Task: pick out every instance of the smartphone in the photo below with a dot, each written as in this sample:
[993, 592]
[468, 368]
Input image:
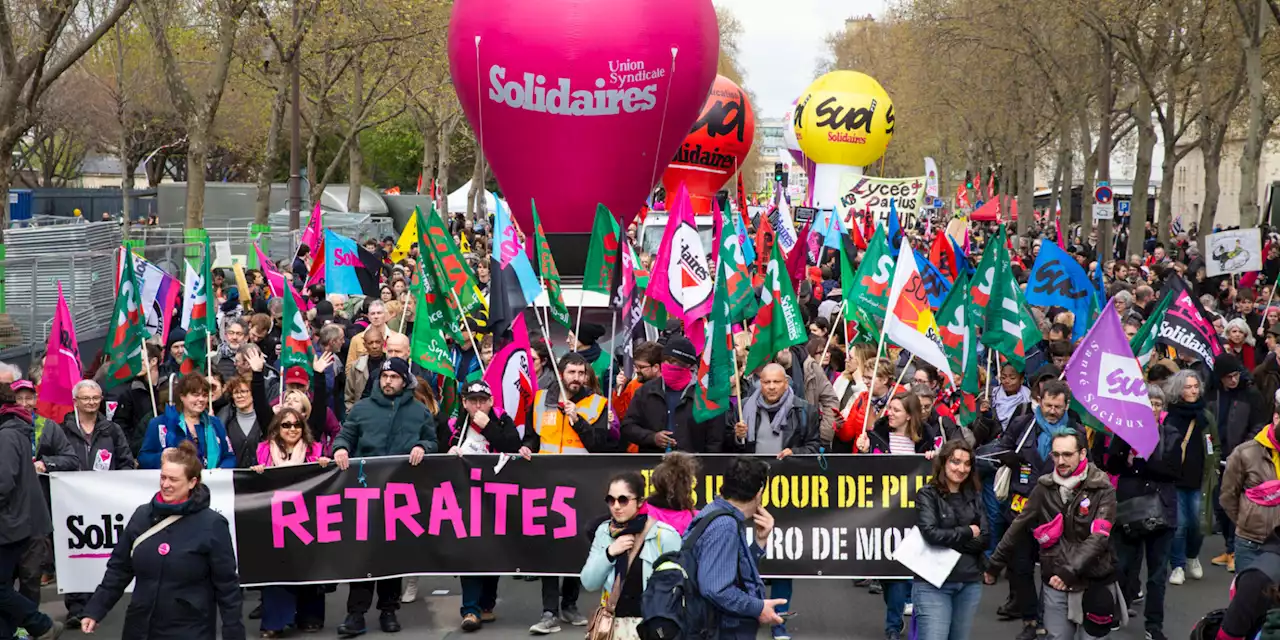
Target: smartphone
[787, 614]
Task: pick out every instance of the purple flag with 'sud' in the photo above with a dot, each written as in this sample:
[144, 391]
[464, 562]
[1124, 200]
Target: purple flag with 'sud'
[1107, 381]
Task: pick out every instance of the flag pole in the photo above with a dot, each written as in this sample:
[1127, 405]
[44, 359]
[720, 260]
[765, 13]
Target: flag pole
[470, 334]
[990, 356]
[151, 381]
[866, 416]
[831, 334]
[547, 338]
[897, 384]
[737, 374]
[613, 324]
[577, 326]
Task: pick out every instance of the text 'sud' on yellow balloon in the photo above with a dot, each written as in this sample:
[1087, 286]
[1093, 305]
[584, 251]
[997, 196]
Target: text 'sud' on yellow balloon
[844, 118]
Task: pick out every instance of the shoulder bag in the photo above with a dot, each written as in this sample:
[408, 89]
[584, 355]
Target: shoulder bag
[602, 625]
[155, 528]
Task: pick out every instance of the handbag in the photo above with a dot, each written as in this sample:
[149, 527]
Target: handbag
[1141, 515]
[602, 624]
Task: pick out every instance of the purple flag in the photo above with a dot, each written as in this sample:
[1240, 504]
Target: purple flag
[1107, 381]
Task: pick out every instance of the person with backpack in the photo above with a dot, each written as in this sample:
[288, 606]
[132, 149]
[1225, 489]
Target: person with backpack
[725, 570]
[623, 554]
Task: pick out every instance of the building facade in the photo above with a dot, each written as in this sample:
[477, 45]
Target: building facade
[773, 149]
[1188, 195]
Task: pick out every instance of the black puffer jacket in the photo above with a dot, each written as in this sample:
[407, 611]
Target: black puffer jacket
[23, 513]
[647, 415]
[944, 521]
[1241, 413]
[186, 575]
[1082, 555]
[107, 449]
[1146, 477]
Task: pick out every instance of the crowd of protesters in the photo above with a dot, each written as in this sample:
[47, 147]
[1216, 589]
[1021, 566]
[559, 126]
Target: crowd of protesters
[1216, 468]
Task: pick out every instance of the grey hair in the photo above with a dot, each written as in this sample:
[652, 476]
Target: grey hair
[1125, 297]
[330, 332]
[923, 391]
[1154, 392]
[11, 369]
[276, 305]
[377, 303]
[75, 391]
[1243, 326]
[1209, 302]
[1177, 382]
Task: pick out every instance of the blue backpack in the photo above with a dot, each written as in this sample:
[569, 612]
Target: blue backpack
[672, 607]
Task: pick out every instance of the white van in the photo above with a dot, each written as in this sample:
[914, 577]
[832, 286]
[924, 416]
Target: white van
[655, 225]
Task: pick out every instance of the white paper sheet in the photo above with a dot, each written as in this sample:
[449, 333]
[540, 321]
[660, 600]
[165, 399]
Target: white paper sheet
[933, 564]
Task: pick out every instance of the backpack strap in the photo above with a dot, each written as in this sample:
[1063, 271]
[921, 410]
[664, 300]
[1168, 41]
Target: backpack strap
[616, 591]
[694, 534]
[155, 528]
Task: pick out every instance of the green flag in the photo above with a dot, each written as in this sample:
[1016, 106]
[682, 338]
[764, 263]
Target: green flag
[953, 324]
[550, 275]
[866, 294]
[715, 371]
[779, 324]
[449, 268]
[1143, 342]
[124, 344]
[1007, 325]
[970, 384]
[602, 256]
[732, 270]
[427, 345]
[295, 348]
[203, 310]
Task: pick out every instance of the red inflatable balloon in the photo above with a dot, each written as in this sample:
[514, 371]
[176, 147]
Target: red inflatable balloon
[716, 147]
[580, 102]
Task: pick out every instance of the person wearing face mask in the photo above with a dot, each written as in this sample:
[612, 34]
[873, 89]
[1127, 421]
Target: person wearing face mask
[1069, 516]
[660, 416]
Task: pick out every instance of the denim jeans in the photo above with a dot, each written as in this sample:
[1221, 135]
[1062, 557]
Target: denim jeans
[1246, 552]
[1130, 553]
[17, 611]
[946, 613]
[1188, 539]
[479, 593]
[896, 593]
[781, 588]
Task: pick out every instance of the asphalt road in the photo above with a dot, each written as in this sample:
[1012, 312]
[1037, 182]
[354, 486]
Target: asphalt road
[826, 609]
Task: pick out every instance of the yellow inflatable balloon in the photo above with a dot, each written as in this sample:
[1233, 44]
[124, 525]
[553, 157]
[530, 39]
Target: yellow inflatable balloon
[844, 118]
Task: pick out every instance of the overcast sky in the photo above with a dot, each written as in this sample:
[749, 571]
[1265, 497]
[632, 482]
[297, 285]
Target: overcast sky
[783, 40]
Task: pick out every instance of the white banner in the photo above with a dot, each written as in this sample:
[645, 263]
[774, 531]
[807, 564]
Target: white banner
[784, 228]
[1238, 251]
[91, 509]
[930, 178]
[879, 196]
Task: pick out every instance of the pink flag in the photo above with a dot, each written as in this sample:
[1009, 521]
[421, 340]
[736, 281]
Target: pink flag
[313, 237]
[1062, 242]
[510, 378]
[275, 281]
[797, 261]
[61, 365]
[681, 276]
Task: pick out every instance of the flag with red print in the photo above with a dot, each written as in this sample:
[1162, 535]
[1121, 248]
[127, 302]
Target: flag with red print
[124, 342]
[296, 348]
[779, 324]
[681, 278]
[510, 375]
[954, 326]
[54, 398]
[909, 319]
[197, 315]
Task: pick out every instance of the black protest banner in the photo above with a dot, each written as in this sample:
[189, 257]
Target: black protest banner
[451, 516]
[1186, 327]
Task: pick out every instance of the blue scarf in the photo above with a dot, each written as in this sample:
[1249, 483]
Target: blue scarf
[1047, 431]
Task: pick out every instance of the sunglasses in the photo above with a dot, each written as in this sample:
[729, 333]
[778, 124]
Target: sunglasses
[290, 425]
[621, 501]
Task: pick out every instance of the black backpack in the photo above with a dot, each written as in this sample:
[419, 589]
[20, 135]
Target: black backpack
[672, 607]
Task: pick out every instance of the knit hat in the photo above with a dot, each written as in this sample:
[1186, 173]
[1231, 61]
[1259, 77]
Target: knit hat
[680, 348]
[1227, 364]
[590, 333]
[400, 366]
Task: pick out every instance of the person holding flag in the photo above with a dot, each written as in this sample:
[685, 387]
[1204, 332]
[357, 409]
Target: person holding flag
[661, 415]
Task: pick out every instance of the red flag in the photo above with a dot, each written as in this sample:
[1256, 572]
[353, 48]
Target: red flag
[943, 255]
[855, 233]
[797, 262]
[1062, 242]
[764, 246]
[61, 365]
[419, 190]
[977, 185]
[742, 197]
[991, 185]
[962, 197]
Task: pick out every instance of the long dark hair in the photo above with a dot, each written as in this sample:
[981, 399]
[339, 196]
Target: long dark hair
[273, 431]
[915, 414]
[940, 466]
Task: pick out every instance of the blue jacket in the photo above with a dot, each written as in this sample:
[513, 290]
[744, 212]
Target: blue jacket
[169, 430]
[728, 570]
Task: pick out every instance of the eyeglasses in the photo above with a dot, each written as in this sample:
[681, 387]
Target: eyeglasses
[621, 501]
[291, 424]
[239, 392]
[90, 399]
[1057, 455]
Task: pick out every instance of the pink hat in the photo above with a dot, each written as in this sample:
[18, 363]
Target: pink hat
[22, 385]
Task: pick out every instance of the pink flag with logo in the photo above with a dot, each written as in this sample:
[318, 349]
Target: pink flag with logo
[313, 237]
[510, 376]
[275, 281]
[681, 276]
[61, 365]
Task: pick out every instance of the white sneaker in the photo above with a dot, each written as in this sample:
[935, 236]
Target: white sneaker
[1194, 569]
[1177, 576]
[908, 609]
[410, 590]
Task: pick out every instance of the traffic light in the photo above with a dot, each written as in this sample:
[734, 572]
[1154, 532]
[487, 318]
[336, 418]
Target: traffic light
[777, 172]
[968, 180]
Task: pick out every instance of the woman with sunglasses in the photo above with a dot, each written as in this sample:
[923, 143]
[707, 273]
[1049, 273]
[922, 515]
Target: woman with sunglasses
[289, 443]
[623, 552]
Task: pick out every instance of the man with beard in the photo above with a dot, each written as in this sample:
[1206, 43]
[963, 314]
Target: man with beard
[646, 360]
[586, 343]
[389, 422]
[660, 417]
[1069, 516]
[573, 424]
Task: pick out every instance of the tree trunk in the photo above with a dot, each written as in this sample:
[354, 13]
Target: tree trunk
[1142, 175]
[1026, 193]
[1259, 122]
[1212, 187]
[1090, 170]
[1060, 164]
[266, 169]
[430, 131]
[355, 156]
[442, 167]
[197, 155]
[475, 195]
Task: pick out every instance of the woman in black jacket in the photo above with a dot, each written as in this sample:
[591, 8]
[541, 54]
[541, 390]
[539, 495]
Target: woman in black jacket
[180, 552]
[1146, 483]
[949, 513]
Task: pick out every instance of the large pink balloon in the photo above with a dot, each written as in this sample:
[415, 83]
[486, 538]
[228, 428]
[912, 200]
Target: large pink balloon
[575, 99]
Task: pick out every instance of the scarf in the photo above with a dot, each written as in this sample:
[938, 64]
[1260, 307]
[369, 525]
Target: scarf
[591, 353]
[1067, 485]
[1267, 438]
[1044, 442]
[629, 528]
[297, 456]
[879, 403]
[757, 406]
[1006, 404]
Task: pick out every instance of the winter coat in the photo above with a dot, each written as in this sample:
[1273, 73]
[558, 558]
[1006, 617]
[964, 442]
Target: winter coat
[170, 429]
[1266, 378]
[598, 572]
[944, 521]
[1249, 466]
[800, 432]
[1240, 413]
[1148, 476]
[132, 411]
[245, 445]
[52, 447]
[1026, 458]
[262, 455]
[186, 575]
[851, 428]
[501, 433]
[819, 393]
[23, 512]
[1177, 417]
[1083, 554]
[357, 380]
[106, 449]
[938, 426]
[647, 415]
[382, 426]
